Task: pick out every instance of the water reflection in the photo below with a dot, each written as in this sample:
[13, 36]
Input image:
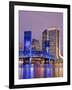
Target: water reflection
[40, 68]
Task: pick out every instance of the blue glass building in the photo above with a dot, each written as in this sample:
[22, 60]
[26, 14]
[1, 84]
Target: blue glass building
[27, 42]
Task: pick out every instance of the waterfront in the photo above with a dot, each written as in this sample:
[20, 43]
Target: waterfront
[40, 68]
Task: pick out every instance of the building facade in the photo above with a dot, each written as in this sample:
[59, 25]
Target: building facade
[36, 45]
[52, 36]
[27, 41]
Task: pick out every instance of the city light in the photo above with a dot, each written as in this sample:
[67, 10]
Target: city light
[40, 63]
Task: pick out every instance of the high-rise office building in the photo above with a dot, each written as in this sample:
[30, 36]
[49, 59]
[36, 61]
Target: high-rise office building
[27, 41]
[51, 36]
[45, 40]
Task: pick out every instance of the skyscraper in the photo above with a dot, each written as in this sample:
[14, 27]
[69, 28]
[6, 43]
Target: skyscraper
[51, 35]
[27, 41]
[45, 40]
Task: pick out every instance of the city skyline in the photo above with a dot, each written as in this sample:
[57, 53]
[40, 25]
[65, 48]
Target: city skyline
[34, 63]
[37, 22]
[48, 35]
[50, 44]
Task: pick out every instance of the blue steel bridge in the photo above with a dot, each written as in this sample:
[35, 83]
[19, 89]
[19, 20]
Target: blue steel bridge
[24, 54]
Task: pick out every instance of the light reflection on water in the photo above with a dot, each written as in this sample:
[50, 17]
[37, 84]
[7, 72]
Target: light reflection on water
[27, 71]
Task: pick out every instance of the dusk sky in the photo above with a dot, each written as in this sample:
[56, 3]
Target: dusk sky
[37, 22]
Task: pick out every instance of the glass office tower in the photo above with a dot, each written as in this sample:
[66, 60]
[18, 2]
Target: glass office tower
[27, 42]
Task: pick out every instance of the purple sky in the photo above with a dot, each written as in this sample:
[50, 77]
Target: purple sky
[37, 22]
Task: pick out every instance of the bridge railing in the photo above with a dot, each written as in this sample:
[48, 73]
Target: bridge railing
[36, 54]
